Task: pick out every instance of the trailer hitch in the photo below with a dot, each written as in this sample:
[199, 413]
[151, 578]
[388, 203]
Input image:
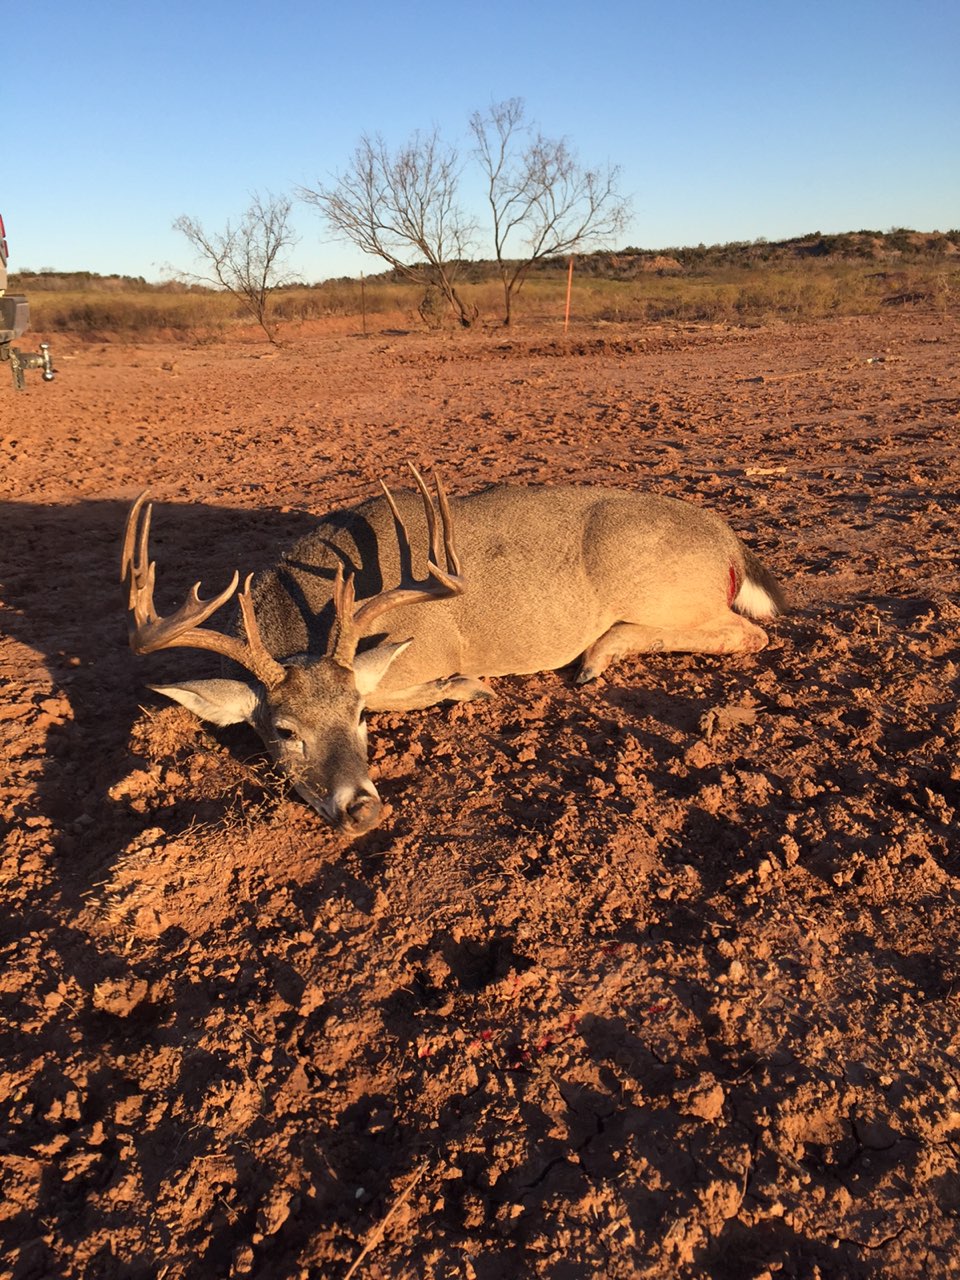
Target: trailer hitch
[20, 361]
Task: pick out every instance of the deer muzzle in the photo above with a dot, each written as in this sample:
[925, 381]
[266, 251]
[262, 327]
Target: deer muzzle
[351, 810]
[361, 814]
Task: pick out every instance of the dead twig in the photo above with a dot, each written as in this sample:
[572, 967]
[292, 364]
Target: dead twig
[378, 1232]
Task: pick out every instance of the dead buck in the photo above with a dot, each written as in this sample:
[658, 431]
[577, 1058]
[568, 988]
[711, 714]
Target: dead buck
[553, 574]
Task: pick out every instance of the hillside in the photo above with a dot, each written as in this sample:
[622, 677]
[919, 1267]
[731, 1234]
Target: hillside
[887, 247]
[882, 247]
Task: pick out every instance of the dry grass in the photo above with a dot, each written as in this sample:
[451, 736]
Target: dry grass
[137, 312]
[811, 291]
[101, 308]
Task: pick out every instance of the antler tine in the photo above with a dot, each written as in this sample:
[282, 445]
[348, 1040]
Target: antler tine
[431, 517]
[440, 583]
[150, 632]
[344, 636]
[446, 522]
[403, 537]
[133, 558]
[263, 665]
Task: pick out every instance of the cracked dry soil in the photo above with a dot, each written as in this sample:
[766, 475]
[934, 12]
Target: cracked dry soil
[659, 977]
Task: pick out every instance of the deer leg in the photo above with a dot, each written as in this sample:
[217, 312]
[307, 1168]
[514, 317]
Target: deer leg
[729, 633]
[415, 696]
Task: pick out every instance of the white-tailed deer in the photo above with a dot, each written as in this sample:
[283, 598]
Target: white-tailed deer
[552, 575]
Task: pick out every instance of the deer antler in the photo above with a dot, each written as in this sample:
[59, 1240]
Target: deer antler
[150, 632]
[350, 619]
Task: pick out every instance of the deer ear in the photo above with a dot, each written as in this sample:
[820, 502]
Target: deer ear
[370, 667]
[217, 701]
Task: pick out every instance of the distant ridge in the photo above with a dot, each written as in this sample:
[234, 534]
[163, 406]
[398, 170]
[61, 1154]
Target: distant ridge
[900, 245]
[882, 247]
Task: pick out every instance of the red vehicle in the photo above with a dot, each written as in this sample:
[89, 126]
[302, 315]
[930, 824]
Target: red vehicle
[14, 319]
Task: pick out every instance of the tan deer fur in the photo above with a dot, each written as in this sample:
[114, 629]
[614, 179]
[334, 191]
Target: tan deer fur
[550, 576]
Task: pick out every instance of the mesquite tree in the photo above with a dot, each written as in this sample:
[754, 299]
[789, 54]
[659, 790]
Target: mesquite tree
[403, 207]
[247, 259]
[542, 201]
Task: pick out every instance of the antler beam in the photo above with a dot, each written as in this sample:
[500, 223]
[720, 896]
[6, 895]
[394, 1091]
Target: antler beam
[150, 632]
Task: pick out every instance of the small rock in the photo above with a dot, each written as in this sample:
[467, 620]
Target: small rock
[120, 996]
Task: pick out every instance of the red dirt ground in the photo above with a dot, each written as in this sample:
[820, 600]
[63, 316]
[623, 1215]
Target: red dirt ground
[659, 977]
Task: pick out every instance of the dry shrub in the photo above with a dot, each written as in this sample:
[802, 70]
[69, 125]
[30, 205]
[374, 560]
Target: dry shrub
[807, 290]
[132, 313]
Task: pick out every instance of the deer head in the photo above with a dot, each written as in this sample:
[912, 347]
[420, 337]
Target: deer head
[307, 709]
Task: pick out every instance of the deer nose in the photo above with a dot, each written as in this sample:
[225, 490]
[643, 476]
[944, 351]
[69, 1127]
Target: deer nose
[362, 813]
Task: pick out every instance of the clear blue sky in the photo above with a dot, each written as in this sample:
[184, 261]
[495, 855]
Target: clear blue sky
[730, 119]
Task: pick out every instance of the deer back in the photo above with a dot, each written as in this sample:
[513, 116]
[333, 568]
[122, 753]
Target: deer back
[547, 571]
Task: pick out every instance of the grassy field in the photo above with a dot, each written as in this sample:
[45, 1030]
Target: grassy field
[92, 307]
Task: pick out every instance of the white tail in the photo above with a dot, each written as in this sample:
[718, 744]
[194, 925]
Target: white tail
[760, 595]
[551, 575]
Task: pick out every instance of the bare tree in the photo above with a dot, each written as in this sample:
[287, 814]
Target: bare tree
[403, 207]
[247, 260]
[541, 199]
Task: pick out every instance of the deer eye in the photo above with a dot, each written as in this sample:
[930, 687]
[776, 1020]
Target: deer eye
[285, 733]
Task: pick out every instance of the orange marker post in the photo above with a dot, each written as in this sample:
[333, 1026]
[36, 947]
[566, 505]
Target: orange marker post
[566, 314]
